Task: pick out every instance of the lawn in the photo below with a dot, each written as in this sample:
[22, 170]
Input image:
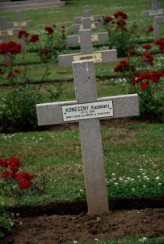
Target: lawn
[52, 155]
[133, 147]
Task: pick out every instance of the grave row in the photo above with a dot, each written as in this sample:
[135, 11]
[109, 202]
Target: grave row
[88, 110]
[30, 4]
[155, 12]
[86, 21]
[9, 29]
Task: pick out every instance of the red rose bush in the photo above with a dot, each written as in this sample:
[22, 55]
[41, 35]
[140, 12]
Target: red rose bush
[13, 185]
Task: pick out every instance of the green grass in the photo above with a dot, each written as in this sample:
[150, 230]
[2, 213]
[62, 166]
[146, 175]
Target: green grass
[133, 154]
[133, 162]
[133, 150]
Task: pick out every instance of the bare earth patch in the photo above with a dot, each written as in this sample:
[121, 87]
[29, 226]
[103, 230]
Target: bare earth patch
[62, 228]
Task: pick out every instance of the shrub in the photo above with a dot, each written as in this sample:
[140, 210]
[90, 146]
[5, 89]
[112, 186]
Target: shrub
[18, 106]
[143, 80]
[13, 184]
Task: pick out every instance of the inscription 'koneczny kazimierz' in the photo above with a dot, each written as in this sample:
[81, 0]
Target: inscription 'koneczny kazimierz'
[88, 110]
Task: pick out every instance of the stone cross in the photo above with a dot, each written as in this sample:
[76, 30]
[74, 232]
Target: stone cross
[98, 37]
[86, 13]
[87, 52]
[87, 24]
[157, 21]
[19, 23]
[88, 110]
[6, 33]
[155, 11]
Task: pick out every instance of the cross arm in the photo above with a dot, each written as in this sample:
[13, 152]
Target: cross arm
[101, 37]
[123, 106]
[17, 24]
[66, 60]
[95, 18]
[78, 27]
[148, 13]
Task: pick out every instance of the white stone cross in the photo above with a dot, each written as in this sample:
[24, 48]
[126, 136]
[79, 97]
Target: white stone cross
[157, 21]
[155, 11]
[87, 24]
[88, 110]
[87, 52]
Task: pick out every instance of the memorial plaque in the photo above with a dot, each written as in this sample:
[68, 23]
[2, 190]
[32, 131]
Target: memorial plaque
[6, 33]
[155, 12]
[19, 24]
[93, 26]
[87, 111]
[95, 38]
[95, 57]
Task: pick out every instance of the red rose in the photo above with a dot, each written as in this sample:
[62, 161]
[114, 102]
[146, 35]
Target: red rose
[10, 75]
[34, 38]
[27, 176]
[24, 183]
[107, 19]
[144, 85]
[13, 47]
[49, 30]
[3, 48]
[5, 174]
[17, 71]
[45, 52]
[14, 164]
[23, 33]
[147, 46]
[131, 52]
[147, 58]
[120, 14]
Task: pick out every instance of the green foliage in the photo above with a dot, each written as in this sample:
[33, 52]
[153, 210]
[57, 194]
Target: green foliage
[18, 109]
[18, 106]
[142, 80]
[13, 184]
[151, 104]
[120, 37]
[122, 41]
[6, 217]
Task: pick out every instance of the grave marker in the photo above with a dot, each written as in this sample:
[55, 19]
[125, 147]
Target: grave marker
[86, 13]
[155, 11]
[87, 110]
[98, 37]
[157, 21]
[87, 24]
[87, 52]
[5, 34]
[19, 23]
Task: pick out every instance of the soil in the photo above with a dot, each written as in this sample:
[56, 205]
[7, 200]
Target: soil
[116, 224]
[70, 222]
